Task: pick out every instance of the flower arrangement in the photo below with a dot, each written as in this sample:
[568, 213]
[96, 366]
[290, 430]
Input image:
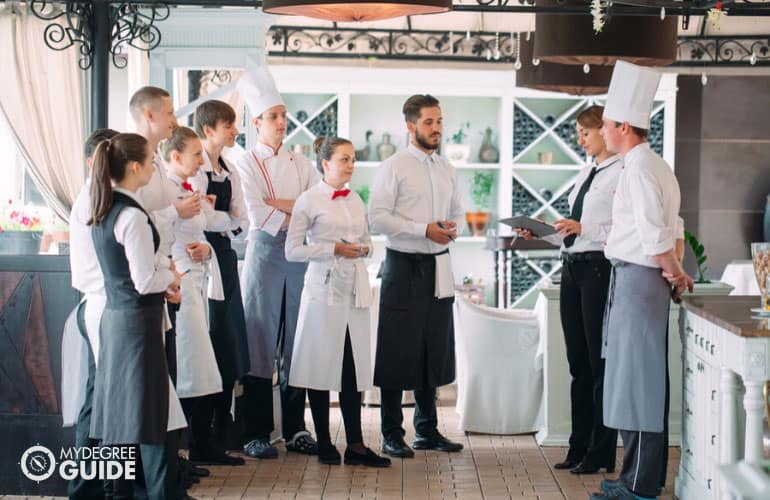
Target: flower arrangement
[14, 217]
[598, 13]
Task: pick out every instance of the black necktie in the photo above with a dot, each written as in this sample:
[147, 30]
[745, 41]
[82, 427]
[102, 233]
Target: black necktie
[577, 208]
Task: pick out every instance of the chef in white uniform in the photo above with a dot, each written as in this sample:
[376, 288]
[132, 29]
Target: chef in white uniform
[80, 343]
[643, 247]
[331, 350]
[273, 178]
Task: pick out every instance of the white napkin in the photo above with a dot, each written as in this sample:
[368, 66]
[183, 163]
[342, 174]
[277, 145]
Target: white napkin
[216, 290]
[445, 285]
[362, 289]
[74, 373]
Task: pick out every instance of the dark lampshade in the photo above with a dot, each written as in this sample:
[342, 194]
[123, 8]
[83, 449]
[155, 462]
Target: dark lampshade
[570, 39]
[555, 77]
[334, 10]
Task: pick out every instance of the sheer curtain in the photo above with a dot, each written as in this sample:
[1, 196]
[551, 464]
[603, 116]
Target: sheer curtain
[41, 99]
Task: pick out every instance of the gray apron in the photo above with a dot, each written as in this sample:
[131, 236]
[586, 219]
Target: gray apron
[635, 348]
[268, 279]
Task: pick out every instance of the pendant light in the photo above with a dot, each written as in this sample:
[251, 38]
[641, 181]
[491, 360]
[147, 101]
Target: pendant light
[334, 10]
[567, 78]
[570, 39]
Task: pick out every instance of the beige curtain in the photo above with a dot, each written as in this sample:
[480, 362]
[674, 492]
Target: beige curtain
[41, 98]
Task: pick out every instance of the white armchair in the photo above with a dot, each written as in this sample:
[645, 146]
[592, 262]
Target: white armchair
[499, 369]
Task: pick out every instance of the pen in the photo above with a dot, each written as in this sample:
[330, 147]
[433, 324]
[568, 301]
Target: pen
[187, 271]
[345, 241]
[442, 226]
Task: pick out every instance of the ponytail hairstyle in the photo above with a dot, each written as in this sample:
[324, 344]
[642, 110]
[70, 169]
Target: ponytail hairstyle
[110, 163]
[177, 142]
[325, 147]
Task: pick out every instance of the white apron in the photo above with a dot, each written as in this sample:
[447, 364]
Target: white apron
[327, 310]
[197, 370]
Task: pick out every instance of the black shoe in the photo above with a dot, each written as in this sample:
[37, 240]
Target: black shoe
[328, 454]
[260, 448]
[573, 460]
[302, 442]
[435, 442]
[214, 457]
[191, 470]
[396, 447]
[368, 459]
[586, 468]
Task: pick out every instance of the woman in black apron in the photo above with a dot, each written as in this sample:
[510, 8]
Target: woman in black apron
[131, 394]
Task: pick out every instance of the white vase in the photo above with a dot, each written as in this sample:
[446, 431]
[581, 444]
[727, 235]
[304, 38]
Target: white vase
[457, 153]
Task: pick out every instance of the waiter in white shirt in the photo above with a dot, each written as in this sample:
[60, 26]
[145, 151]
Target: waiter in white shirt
[416, 204]
[643, 248]
[87, 279]
[273, 177]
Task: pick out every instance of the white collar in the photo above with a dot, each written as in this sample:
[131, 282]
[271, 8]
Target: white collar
[133, 195]
[609, 161]
[421, 155]
[263, 151]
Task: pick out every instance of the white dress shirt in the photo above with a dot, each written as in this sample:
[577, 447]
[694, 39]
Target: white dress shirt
[187, 231]
[237, 213]
[645, 220]
[150, 271]
[325, 222]
[157, 197]
[86, 274]
[267, 174]
[411, 190]
[596, 219]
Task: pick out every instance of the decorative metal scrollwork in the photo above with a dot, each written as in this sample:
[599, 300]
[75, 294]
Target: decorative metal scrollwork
[723, 51]
[132, 24]
[389, 44]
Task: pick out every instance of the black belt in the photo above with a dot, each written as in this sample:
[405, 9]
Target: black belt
[570, 258]
[413, 256]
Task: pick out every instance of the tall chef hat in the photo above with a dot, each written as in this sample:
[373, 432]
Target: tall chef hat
[631, 94]
[257, 88]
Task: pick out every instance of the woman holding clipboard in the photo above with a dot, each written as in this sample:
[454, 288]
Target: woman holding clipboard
[584, 284]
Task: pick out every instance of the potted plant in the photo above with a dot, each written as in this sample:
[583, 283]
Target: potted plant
[20, 229]
[704, 286]
[481, 189]
[363, 192]
[456, 149]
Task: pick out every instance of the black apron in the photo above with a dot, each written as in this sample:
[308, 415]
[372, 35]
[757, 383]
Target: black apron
[131, 393]
[227, 325]
[415, 334]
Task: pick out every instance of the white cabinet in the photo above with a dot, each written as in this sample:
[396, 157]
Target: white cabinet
[726, 359]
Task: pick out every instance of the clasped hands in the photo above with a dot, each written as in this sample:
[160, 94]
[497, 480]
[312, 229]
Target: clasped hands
[442, 232]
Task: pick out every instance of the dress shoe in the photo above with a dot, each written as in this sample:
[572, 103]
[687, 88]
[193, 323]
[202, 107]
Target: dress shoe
[586, 468]
[213, 456]
[566, 464]
[260, 448]
[435, 442]
[396, 447]
[328, 454]
[187, 467]
[369, 459]
[302, 442]
[619, 493]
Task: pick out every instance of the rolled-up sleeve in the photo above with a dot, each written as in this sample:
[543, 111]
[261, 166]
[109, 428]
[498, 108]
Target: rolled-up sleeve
[649, 214]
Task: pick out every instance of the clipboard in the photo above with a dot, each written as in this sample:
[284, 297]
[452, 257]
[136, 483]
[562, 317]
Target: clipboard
[538, 228]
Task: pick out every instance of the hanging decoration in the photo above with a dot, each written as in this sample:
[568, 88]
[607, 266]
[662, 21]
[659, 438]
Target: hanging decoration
[334, 10]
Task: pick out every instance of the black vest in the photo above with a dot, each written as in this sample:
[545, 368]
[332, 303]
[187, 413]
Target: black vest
[120, 289]
[224, 193]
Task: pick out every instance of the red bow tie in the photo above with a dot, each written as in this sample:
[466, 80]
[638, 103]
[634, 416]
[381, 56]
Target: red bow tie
[187, 186]
[343, 192]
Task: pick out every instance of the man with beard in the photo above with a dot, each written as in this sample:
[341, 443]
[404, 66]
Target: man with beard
[416, 204]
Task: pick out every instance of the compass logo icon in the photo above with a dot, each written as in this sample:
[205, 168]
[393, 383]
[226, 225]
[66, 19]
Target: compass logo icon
[38, 463]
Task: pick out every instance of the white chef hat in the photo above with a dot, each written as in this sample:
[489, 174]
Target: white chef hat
[631, 94]
[257, 88]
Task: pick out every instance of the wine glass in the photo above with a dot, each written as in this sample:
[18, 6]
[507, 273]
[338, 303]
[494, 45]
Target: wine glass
[760, 257]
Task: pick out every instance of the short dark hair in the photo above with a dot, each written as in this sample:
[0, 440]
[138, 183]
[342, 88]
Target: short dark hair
[210, 113]
[143, 98]
[641, 132]
[413, 106]
[97, 136]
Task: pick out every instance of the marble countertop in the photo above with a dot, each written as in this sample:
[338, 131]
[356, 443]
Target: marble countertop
[731, 313]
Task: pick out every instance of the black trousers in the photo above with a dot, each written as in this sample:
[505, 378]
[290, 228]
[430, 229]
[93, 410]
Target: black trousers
[199, 413]
[583, 295]
[78, 488]
[350, 403]
[258, 398]
[175, 481]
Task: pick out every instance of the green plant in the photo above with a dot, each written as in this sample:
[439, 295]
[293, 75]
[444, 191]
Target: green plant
[459, 136]
[482, 188]
[363, 192]
[700, 255]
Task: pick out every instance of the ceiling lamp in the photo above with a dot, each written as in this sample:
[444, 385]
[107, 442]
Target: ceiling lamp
[570, 79]
[570, 39]
[334, 10]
